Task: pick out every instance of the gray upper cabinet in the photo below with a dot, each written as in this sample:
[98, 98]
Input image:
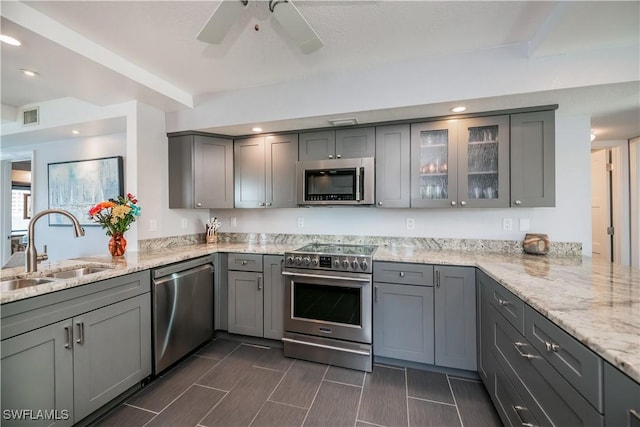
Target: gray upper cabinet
[265, 171]
[455, 317]
[345, 143]
[200, 171]
[393, 163]
[533, 159]
[461, 163]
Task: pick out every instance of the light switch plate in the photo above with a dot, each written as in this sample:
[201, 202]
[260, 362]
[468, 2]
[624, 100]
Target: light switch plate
[234, 222]
[525, 224]
[410, 223]
[300, 222]
[507, 224]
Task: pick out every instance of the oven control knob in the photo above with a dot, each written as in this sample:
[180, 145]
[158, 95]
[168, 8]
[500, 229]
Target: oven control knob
[354, 264]
[306, 260]
[289, 259]
[336, 263]
[298, 260]
[314, 262]
[345, 263]
[364, 265]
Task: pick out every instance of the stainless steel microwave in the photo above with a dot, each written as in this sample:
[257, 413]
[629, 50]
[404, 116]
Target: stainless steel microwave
[336, 181]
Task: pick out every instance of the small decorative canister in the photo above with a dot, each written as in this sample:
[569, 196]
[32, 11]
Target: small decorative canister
[536, 243]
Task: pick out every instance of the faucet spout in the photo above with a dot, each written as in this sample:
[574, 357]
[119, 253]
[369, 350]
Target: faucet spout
[31, 255]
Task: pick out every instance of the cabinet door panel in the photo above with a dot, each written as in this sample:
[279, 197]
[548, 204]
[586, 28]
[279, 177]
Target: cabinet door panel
[112, 352]
[273, 297]
[533, 159]
[281, 155]
[37, 373]
[213, 172]
[455, 317]
[317, 145]
[621, 399]
[393, 163]
[354, 143]
[434, 160]
[403, 322]
[245, 303]
[249, 172]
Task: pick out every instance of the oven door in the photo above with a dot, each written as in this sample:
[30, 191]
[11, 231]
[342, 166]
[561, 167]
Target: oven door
[328, 304]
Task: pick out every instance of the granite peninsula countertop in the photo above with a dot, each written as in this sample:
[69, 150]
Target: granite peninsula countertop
[597, 303]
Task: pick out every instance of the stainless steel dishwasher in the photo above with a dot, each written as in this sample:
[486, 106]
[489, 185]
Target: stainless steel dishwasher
[182, 309]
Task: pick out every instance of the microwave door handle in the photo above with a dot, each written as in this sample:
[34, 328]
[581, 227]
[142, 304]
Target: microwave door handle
[358, 194]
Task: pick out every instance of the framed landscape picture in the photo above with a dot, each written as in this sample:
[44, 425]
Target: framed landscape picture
[77, 186]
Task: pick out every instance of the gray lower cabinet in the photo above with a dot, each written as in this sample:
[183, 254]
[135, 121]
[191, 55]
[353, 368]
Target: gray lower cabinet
[455, 317]
[523, 384]
[265, 170]
[533, 159]
[621, 399]
[255, 297]
[200, 171]
[403, 311]
[393, 166]
[98, 347]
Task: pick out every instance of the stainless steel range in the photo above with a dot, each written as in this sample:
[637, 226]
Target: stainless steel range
[328, 295]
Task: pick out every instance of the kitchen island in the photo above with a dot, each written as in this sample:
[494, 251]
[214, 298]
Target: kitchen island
[596, 303]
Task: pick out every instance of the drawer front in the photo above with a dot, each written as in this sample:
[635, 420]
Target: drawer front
[561, 403]
[507, 399]
[244, 262]
[505, 303]
[575, 362]
[403, 273]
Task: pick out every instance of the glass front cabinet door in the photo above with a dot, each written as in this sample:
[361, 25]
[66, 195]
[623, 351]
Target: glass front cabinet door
[461, 163]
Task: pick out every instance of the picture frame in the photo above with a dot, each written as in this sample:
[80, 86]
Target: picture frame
[76, 186]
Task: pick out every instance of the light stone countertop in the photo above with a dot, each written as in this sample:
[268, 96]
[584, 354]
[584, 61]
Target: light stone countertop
[597, 303]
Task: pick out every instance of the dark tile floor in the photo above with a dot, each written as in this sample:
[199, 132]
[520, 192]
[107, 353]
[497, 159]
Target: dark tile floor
[229, 383]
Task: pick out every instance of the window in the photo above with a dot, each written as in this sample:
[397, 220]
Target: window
[20, 209]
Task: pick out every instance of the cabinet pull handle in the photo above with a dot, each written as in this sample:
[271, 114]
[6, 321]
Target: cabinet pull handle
[243, 262]
[331, 156]
[402, 274]
[437, 278]
[69, 333]
[259, 283]
[503, 302]
[268, 203]
[339, 156]
[551, 346]
[261, 204]
[379, 203]
[453, 203]
[80, 339]
[199, 205]
[518, 202]
[375, 294]
[463, 203]
[633, 414]
[519, 408]
[517, 345]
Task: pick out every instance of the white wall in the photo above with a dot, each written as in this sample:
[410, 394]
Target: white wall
[569, 221]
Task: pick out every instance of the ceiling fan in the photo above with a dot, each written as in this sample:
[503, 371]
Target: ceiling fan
[284, 11]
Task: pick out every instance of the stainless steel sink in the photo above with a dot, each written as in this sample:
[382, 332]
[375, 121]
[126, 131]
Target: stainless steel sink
[13, 284]
[77, 272]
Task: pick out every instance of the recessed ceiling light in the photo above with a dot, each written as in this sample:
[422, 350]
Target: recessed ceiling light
[9, 40]
[256, 129]
[75, 132]
[343, 122]
[29, 73]
[458, 109]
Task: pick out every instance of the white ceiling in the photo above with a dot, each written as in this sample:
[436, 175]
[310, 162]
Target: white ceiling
[107, 52]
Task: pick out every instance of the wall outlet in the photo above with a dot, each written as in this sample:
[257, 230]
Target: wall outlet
[507, 224]
[184, 223]
[234, 221]
[153, 225]
[525, 224]
[300, 222]
[410, 223]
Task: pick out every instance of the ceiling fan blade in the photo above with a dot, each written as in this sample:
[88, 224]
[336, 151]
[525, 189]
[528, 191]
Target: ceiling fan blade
[292, 21]
[221, 20]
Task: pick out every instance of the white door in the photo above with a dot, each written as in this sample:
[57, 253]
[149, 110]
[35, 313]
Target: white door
[600, 207]
[634, 185]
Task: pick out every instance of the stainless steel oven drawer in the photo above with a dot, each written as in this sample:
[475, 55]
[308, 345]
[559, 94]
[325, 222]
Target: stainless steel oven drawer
[403, 273]
[244, 262]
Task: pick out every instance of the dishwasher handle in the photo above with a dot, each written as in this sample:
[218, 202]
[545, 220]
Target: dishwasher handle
[181, 266]
[179, 274]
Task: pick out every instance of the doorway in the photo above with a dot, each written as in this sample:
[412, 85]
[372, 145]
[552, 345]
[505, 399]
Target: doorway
[17, 202]
[601, 205]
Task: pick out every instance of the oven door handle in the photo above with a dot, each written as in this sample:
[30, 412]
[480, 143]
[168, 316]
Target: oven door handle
[321, 276]
[328, 347]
